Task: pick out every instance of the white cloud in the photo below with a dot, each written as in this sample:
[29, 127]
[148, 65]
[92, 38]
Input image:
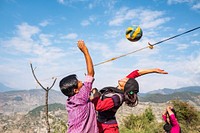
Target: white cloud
[122, 15]
[196, 42]
[30, 42]
[151, 19]
[85, 23]
[44, 23]
[114, 33]
[61, 1]
[182, 46]
[179, 1]
[196, 6]
[102, 49]
[70, 36]
[90, 20]
[146, 18]
[26, 31]
[44, 38]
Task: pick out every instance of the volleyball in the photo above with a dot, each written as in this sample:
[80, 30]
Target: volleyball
[133, 33]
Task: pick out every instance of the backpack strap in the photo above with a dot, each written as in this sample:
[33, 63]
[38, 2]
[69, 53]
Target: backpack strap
[114, 94]
[111, 92]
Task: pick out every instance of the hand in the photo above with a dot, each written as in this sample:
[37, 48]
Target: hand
[157, 70]
[82, 46]
[94, 93]
[169, 108]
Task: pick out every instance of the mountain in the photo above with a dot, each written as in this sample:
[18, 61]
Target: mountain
[25, 100]
[22, 101]
[195, 89]
[4, 88]
[163, 98]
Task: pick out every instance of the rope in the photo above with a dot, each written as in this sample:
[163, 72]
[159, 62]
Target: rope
[175, 36]
[151, 46]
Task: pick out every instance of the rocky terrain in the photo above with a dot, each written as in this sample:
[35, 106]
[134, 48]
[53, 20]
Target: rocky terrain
[22, 111]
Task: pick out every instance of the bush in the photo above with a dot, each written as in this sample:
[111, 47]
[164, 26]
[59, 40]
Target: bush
[141, 123]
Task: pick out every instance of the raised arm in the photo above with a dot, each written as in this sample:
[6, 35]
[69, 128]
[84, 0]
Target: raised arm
[88, 59]
[154, 70]
[137, 73]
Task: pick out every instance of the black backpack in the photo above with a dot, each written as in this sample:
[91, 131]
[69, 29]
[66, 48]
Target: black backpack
[167, 127]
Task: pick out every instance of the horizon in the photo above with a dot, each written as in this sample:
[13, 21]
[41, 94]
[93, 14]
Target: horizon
[15, 89]
[45, 33]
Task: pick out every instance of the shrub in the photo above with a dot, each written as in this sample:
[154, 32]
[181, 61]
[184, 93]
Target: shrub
[140, 123]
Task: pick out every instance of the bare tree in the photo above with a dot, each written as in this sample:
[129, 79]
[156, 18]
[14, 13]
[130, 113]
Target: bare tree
[46, 97]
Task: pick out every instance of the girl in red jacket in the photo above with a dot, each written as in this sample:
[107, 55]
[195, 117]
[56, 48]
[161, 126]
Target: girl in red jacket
[111, 98]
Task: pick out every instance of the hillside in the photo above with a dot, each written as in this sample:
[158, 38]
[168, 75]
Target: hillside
[194, 89]
[4, 88]
[22, 101]
[26, 100]
[34, 121]
[183, 96]
[23, 111]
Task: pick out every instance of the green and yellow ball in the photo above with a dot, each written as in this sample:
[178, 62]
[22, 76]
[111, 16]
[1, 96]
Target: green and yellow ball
[133, 33]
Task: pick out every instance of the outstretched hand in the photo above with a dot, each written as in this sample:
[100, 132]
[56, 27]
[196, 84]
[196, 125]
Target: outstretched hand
[82, 46]
[158, 70]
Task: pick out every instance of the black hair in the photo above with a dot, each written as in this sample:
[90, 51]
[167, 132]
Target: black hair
[68, 84]
[131, 85]
[173, 110]
[131, 89]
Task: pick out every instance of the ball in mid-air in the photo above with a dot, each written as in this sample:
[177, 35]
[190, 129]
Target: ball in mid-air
[133, 33]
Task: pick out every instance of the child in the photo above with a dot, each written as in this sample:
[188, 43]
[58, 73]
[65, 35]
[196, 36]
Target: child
[81, 111]
[113, 97]
[169, 116]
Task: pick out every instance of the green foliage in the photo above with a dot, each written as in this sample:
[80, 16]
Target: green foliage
[52, 107]
[160, 98]
[140, 123]
[58, 126]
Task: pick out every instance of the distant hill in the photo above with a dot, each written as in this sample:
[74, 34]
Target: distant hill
[195, 89]
[26, 100]
[162, 98]
[22, 101]
[52, 107]
[4, 88]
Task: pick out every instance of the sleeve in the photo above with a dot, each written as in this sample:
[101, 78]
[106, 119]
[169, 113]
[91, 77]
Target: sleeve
[84, 93]
[89, 79]
[173, 120]
[102, 105]
[164, 117]
[88, 83]
[133, 74]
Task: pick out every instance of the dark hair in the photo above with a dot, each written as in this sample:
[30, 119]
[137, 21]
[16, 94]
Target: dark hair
[131, 89]
[131, 85]
[68, 84]
[173, 110]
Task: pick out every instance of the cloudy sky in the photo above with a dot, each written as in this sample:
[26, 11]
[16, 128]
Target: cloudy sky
[45, 32]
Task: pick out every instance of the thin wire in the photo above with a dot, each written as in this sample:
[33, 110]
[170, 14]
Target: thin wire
[114, 58]
[175, 36]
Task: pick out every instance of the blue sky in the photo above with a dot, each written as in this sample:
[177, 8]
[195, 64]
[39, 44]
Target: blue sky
[45, 33]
